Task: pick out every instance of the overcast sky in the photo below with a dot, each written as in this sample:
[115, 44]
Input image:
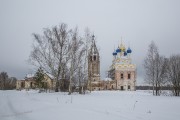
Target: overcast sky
[138, 22]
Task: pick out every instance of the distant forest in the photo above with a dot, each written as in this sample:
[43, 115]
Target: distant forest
[151, 88]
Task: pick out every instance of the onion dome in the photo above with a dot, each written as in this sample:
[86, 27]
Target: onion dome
[118, 50]
[114, 53]
[125, 53]
[123, 49]
[129, 50]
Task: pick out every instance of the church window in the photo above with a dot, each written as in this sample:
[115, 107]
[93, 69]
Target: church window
[129, 76]
[129, 87]
[122, 76]
[94, 58]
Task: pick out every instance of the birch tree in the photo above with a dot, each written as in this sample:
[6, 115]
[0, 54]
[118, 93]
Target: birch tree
[160, 72]
[149, 64]
[63, 53]
[156, 68]
[76, 54]
[87, 41]
[174, 73]
[50, 50]
[80, 47]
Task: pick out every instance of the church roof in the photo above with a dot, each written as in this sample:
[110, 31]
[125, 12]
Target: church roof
[129, 50]
[93, 49]
[121, 49]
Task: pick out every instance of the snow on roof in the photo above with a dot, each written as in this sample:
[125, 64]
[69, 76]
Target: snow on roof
[32, 75]
[21, 80]
[29, 75]
[50, 75]
[107, 79]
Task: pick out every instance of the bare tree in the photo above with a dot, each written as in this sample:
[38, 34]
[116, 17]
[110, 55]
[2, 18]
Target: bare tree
[63, 53]
[76, 55]
[50, 50]
[87, 41]
[149, 64]
[156, 69]
[3, 79]
[79, 59]
[160, 72]
[174, 73]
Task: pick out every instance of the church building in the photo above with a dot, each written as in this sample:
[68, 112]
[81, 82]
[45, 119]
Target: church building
[122, 71]
[93, 67]
[121, 75]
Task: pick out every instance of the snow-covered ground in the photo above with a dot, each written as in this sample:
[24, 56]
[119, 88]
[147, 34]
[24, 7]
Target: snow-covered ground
[98, 105]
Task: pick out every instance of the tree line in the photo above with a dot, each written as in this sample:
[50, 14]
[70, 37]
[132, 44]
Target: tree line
[63, 52]
[162, 71]
[6, 82]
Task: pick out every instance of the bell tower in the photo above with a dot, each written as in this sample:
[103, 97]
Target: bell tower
[93, 64]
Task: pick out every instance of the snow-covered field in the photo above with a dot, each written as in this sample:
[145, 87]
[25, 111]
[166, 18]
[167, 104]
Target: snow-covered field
[99, 105]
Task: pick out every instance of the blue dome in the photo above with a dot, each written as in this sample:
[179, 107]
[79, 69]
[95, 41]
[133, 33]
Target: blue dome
[125, 53]
[129, 50]
[114, 53]
[118, 50]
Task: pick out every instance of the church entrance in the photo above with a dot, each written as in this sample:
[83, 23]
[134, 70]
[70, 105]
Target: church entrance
[122, 88]
[129, 87]
[112, 87]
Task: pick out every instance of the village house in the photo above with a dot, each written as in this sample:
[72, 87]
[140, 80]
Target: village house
[29, 82]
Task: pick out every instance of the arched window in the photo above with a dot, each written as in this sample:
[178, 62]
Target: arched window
[129, 75]
[122, 76]
[94, 58]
